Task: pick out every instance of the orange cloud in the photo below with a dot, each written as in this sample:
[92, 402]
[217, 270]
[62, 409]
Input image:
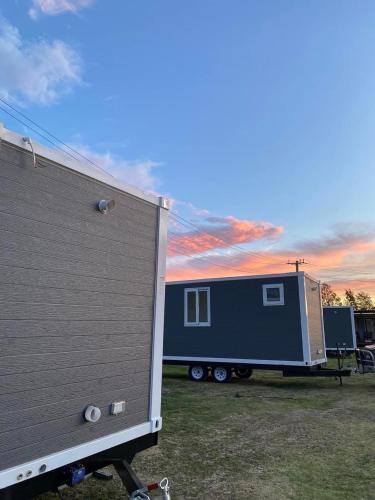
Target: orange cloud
[221, 232]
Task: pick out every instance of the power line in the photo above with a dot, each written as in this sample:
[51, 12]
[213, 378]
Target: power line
[37, 132]
[268, 260]
[176, 217]
[51, 135]
[207, 259]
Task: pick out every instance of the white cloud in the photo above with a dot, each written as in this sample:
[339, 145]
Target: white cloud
[37, 71]
[56, 7]
[139, 173]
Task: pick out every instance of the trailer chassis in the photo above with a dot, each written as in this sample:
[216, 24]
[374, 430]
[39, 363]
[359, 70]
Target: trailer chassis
[120, 457]
[287, 371]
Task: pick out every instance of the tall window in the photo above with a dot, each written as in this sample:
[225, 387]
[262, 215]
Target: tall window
[197, 307]
[273, 295]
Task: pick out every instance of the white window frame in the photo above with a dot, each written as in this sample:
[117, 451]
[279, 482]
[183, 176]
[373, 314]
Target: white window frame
[267, 302]
[197, 290]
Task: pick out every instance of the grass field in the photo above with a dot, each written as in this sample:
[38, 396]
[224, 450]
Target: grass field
[268, 437]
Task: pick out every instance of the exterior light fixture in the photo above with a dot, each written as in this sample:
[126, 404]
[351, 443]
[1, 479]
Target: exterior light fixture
[105, 205]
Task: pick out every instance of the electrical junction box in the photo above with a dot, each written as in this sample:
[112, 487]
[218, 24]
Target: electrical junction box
[117, 407]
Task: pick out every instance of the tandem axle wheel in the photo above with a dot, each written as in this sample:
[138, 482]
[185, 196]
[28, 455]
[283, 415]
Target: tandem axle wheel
[220, 374]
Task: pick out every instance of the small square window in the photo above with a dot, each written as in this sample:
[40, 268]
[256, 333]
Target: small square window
[273, 295]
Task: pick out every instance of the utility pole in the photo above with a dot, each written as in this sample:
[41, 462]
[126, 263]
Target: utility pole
[297, 263]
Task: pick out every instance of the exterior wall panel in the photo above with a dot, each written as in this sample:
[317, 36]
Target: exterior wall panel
[241, 326]
[339, 327]
[77, 307]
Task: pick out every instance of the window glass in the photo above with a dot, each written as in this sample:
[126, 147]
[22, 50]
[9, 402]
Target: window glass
[203, 306]
[191, 307]
[273, 294]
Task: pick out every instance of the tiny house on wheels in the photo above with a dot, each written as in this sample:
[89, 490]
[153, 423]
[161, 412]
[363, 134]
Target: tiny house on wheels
[242, 323]
[82, 265]
[339, 329]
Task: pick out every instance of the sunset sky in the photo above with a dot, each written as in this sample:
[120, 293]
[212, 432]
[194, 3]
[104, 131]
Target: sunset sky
[256, 118]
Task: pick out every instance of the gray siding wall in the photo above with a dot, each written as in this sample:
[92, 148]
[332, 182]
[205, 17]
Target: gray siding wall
[76, 315]
[241, 326]
[314, 319]
[338, 328]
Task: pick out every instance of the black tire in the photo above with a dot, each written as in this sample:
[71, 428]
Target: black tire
[243, 372]
[198, 373]
[221, 374]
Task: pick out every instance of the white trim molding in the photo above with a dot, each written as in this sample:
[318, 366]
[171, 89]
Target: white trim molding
[28, 470]
[244, 361]
[322, 319]
[234, 278]
[197, 291]
[158, 333]
[270, 302]
[353, 328]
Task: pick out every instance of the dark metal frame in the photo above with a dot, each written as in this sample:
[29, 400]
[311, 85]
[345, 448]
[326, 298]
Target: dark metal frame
[120, 456]
[287, 371]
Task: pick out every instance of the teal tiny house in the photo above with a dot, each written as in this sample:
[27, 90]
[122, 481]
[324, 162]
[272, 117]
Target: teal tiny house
[339, 329]
[271, 321]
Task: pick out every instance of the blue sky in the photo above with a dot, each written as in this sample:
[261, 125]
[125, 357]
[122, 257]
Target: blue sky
[264, 111]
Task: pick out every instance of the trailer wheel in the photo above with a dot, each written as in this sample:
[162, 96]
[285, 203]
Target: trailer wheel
[221, 374]
[198, 373]
[243, 372]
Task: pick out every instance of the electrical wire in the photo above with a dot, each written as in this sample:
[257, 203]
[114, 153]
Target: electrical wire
[206, 259]
[184, 223]
[37, 132]
[179, 219]
[50, 134]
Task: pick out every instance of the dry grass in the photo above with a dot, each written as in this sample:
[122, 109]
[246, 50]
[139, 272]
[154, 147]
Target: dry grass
[265, 438]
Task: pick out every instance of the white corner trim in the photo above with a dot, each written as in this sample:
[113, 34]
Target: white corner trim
[81, 167]
[353, 328]
[196, 291]
[304, 321]
[322, 319]
[244, 361]
[158, 326]
[266, 301]
[9, 476]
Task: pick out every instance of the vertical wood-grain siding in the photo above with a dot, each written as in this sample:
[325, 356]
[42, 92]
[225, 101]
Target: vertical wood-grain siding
[314, 319]
[76, 307]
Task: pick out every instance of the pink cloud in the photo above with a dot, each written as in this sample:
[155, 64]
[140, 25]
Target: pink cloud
[220, 233]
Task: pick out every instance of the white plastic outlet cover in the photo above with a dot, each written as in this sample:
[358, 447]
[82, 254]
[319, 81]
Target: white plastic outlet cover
[117, 407]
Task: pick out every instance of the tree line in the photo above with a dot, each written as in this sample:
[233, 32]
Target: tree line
[359, 301]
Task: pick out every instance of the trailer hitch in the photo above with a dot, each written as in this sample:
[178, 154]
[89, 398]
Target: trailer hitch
[134, 485]
[143, 493]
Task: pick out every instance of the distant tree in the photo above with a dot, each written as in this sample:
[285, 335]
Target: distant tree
[329, 296]
[350, 298]
[364, 301]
